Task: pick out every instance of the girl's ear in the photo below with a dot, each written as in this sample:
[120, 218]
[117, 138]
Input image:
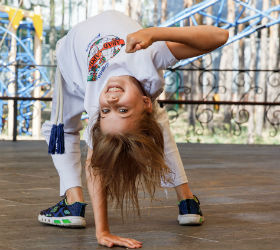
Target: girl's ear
[148, 104]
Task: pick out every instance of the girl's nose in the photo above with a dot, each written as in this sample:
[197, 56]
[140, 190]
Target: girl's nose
[113, 99]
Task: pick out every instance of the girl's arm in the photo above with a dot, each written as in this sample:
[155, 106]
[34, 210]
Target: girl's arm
[99, 203]
[183, 42]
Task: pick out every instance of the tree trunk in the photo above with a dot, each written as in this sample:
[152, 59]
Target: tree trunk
[209, 77]
[272, 87]
[189, 77]
[199, 17]
[274, 35]
[62, 19]
[239, 79]
[226, 78]
[187, 4]
[262, 79]
[100, 6]
[36, 117]
[155, 16]
[241, 59]
[52, 38]
[70, 13]
[128, 8]
[113, 4]
[11, 75]
[20, 5]
[273, 39]
[86, 9]
[135, 9]
[163, 95]
[251, 94]
[163, 10]
[138, 9]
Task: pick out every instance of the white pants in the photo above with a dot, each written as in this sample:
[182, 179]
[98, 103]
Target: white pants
[68, 165]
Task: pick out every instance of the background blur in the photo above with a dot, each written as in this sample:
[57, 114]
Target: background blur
[244, 70]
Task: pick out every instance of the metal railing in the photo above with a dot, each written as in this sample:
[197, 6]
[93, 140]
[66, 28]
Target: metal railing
[203, 101]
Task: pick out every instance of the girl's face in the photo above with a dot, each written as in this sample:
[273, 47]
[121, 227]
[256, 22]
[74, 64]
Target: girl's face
[121, 105]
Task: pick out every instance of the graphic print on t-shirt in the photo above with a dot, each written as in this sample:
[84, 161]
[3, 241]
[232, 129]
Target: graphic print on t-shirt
[100, 52]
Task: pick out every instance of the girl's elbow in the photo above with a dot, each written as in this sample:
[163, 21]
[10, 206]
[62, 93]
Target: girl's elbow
[220, 38]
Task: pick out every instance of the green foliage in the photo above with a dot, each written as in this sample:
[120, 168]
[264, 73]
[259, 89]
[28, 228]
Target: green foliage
[217, 132]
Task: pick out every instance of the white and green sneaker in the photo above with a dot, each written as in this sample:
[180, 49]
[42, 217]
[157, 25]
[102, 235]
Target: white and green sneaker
[64, 215]
[190, 212]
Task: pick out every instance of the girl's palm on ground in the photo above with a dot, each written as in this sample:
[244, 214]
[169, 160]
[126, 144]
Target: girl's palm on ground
[110, 240]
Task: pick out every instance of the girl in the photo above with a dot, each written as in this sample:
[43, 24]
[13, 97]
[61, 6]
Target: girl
[110, 67]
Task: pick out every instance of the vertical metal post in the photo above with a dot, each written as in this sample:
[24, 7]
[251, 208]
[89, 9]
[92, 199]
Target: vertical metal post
[15, 104]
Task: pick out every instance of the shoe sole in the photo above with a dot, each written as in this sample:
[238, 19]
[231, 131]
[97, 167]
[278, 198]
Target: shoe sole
[190, 219]
[69, 221]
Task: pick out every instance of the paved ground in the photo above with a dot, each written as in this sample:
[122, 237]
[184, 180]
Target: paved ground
[238, 186]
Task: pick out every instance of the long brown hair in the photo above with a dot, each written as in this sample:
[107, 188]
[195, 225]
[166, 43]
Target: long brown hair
[124, 162]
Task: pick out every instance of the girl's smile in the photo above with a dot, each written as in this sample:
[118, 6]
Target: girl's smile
[121, 103]
[114, 89]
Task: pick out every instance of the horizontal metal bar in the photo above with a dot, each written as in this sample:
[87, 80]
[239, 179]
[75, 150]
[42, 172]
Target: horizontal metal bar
[217, 102]
[238, 70]
[26, 65]
[159, 101]
[20, 98]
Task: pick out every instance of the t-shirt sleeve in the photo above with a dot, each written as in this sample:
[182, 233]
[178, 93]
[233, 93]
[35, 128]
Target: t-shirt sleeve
[162, 56]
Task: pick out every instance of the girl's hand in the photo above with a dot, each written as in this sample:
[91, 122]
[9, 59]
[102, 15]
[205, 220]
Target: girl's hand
[140, 39]
[110, 240]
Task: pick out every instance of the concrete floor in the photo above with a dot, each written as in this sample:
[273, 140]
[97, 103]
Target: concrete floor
[238, 186]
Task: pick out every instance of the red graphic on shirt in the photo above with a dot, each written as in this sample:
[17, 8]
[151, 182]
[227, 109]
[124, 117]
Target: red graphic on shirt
[100, 52]
[113, 43]
[94, 60]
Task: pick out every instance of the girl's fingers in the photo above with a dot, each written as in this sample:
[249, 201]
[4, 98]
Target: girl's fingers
[137, 47]
[130, 45]
[127, 243]
[112, 240]
[133, 44]
[132, 48]
[132, 242]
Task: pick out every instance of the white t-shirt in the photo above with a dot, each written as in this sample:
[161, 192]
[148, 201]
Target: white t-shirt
[87, 56]
[94, 50]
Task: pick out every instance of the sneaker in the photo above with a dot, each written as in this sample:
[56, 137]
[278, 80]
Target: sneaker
[64, 215]
[190, 212]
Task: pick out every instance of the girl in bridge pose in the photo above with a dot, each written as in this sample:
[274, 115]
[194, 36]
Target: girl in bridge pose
[110, 67]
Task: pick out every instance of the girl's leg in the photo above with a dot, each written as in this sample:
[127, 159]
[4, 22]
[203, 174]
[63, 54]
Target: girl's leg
[74, 194]
[189, 210]
[70, 212]
[68, 165]
[173, 158]
[183, 192]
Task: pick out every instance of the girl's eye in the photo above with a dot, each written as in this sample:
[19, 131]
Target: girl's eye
[123, 110]
[105, 111]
